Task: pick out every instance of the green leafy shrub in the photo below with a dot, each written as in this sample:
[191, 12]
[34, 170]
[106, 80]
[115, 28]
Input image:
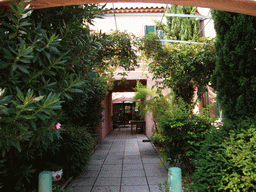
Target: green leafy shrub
[75, 149]
[226, 160]
[148, 101]
[180, 67]
[157, 139]
[183, 133]
[86, 109]
[43, 63]
[234, 76]
[23, 168]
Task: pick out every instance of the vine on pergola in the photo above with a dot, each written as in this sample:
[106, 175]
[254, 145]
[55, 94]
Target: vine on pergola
[182, 67]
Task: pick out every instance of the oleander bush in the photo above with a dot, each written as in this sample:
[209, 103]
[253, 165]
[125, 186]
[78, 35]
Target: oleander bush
[75, 149]
[86, 109]
[45, 65]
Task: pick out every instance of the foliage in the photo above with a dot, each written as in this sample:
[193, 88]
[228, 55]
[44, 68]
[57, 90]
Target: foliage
[182, 134]
[44, 64]
[234, 76]
[149, 101]
[30, 63]
[116, 50]
[163, 187]
[157, 139]
[86, 105]
[22, 168]
[183, 67]
[91, 55]
[78, 144]
[181, 28]
[226, 161]
[240, 153]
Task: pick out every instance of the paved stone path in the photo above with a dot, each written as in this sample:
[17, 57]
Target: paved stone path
[122, 162]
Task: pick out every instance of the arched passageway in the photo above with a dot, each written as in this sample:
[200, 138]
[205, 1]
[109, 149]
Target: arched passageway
[239, 6]
[108, 103]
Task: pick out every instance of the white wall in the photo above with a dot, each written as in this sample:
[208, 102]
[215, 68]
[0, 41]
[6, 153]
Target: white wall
[130, 24]
[209, 30]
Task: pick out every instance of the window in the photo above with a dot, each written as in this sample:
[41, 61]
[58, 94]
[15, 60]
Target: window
[150, 28]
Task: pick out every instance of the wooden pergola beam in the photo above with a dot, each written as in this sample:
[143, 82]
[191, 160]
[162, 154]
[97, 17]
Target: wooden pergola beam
[238, 6]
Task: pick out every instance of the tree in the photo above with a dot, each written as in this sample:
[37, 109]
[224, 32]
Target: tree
[234, 75]
[181, 28]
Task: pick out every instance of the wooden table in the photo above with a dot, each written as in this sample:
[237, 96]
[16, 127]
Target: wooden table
[138, 122]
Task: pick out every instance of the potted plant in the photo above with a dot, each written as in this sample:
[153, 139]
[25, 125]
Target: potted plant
[56, 170]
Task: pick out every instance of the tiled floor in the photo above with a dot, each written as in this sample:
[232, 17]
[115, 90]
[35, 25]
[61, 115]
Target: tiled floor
[122, 162]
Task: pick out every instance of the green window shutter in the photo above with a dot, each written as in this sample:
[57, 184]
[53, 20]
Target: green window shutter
[150, 28]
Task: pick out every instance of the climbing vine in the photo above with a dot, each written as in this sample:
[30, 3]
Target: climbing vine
[182, 67]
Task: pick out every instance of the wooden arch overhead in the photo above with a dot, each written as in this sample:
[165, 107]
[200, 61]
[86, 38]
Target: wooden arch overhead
[238, 6]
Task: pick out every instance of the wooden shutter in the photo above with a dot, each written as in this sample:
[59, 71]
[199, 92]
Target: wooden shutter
[150, 28]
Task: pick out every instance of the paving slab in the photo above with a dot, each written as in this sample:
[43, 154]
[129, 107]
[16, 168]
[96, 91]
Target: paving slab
[151, 160]
[97, 157]
[116, 153]
[134, 181]
[110, 173]
[148, 166]
[131, 153]
[155, 188]
[133, 173]
[78, 189]
[134, 188]
[106, 189]
[133, 166]
[156, 180]
[112, 167]
[132, 157]
[90, 173]
[122, 162]
[156, 173]
[93, 167]
[113, 161]
[132, 161]
[96, 162]
[108, 181]
[84, 181]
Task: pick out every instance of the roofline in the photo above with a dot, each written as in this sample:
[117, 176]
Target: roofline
[136, 10]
